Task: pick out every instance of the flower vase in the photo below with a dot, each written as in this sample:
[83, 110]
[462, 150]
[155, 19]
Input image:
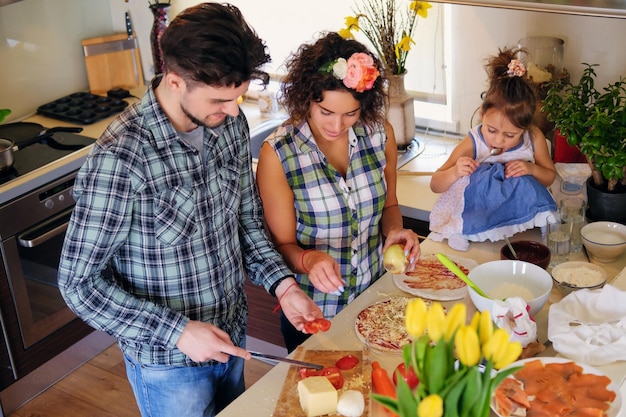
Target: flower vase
[400, 113]
[161, 21]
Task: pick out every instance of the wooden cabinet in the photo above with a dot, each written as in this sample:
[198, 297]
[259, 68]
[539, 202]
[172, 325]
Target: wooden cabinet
[263, 323]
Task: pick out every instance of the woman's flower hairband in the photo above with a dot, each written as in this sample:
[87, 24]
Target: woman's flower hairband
[516, 68]
[357, 72]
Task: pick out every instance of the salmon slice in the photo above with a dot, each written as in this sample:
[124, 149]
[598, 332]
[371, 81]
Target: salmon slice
[565, 369]
[586, 380]
[580, 398]
[504, 405]
[586, 412]
[510, 397]
[556, 407]
[601, 393]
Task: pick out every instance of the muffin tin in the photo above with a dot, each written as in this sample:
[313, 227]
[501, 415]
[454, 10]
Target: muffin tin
[82, 108]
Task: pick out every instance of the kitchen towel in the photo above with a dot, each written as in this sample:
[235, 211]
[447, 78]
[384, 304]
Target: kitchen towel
[590, 326]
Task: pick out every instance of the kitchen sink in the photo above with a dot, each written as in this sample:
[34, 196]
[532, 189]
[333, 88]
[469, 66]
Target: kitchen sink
[261, 131]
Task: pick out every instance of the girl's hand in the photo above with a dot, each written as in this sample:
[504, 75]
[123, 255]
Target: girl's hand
[409, 241]
[324, 272]
[465, 166]
[514, 169]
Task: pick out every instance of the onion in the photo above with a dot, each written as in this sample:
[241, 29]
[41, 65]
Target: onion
[394, 259]
[351, 403]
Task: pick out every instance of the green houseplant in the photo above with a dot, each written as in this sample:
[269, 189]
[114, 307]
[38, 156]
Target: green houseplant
[4, 113]
[594, 121]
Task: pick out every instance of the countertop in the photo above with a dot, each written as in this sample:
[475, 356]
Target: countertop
[260, 399]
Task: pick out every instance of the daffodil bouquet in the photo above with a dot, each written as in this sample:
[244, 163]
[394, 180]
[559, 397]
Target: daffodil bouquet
[454, 362]
[389, 29]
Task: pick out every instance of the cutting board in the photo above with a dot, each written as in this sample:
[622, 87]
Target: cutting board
[112, 62]
[359, 378]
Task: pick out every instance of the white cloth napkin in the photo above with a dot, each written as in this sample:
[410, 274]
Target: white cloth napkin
[589, 326]
[512, 316]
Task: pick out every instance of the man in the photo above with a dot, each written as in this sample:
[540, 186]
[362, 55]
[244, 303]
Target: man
[167, 199]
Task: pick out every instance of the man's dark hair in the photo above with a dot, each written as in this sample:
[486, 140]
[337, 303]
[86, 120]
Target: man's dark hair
[211, 43]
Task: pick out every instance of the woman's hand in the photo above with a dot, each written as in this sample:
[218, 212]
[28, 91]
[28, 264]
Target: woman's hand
[323, 270]
[409, 241]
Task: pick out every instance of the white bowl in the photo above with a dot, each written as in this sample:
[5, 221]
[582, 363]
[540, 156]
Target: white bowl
[491, 275]
[605, 241]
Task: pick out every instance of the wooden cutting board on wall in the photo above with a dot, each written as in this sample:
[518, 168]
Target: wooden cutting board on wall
[112, 62]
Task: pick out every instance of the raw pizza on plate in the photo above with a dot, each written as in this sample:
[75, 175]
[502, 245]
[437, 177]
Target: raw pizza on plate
[382, 326]
[433, 280]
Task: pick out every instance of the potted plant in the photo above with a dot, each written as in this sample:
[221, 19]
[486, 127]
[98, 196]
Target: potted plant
[4, 113]
[595, 122]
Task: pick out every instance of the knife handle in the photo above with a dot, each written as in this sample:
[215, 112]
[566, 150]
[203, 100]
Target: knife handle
[129, 26]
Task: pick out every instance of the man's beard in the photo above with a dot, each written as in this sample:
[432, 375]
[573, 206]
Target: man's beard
[192, 118]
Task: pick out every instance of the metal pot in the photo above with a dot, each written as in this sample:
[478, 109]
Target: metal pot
[8, 147]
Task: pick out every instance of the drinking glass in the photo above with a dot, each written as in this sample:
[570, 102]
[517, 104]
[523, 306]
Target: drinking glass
[559, 235]
[572, 211]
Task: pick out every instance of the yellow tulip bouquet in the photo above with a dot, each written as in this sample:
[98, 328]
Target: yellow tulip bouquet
[447, 386]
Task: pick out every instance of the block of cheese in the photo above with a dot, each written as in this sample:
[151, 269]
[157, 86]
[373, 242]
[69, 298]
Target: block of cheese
[317, 396]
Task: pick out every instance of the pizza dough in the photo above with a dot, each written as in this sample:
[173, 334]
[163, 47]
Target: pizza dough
[432, 280]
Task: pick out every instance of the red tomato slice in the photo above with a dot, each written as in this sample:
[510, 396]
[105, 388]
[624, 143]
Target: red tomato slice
[334, 376]
[307, 372]
[347, 362]
[317, 325]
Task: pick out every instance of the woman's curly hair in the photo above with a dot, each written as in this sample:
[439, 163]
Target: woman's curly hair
[513, 95]
[305, 82]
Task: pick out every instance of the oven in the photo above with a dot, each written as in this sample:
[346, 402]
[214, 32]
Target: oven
[35, 207]
[31, 248]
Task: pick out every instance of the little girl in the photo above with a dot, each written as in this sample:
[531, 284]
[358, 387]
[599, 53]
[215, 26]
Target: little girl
[494, 182]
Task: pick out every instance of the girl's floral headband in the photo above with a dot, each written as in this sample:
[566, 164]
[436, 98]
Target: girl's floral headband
[358, 72]
[516, 68]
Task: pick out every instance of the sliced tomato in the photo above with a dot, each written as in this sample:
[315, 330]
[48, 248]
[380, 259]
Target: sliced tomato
[334, 376]
[317, 325]
[307, 372]
[347, 362]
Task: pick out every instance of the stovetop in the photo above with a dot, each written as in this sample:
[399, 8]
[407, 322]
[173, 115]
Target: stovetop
[36, 155]
[39, 163]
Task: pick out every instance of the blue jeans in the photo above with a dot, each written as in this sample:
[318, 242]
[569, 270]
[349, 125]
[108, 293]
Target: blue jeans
[174, 391]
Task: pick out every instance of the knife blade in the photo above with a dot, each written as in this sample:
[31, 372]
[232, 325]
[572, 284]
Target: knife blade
[286, 360]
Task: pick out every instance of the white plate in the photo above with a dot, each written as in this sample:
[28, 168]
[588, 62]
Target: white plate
[616, 405]
[436, 294]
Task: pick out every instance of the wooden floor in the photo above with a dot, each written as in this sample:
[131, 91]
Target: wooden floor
[99, 388]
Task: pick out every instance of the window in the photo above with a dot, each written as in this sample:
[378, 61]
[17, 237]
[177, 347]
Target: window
[286, 24]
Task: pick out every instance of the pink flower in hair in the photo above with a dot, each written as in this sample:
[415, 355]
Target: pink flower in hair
[360, 72]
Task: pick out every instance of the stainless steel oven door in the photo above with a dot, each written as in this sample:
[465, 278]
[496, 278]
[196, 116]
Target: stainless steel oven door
[32, 259]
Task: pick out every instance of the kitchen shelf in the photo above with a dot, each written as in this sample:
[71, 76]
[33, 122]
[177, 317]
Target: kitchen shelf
[597, 8]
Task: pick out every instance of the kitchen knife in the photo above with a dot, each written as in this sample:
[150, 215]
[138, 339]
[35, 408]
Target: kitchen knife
[129, 32]
[286, 360]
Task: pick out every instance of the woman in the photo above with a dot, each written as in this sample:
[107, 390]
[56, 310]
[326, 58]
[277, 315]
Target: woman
[327, 177]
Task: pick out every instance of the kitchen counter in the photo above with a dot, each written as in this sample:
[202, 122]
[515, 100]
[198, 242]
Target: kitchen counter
[260, 399]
